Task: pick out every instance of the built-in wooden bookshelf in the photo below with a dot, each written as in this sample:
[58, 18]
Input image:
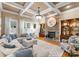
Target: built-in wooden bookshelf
[69, 27]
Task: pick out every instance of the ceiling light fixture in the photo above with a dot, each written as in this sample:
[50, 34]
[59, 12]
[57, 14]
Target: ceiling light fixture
[38, 16]
[68, 6]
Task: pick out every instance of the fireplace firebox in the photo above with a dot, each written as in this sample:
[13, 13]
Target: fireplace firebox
[51, 35]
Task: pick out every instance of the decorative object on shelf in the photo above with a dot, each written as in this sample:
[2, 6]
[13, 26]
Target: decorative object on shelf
[38, 16]
[51, 22]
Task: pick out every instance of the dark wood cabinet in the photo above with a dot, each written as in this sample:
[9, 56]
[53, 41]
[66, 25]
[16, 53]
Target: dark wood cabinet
[69, 27]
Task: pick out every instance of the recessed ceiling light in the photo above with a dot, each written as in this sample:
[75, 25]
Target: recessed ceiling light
[68, 6]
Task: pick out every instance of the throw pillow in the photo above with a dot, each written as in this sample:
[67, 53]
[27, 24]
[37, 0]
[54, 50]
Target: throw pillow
[8, 46]
[13, 36]
[9, 38]
[16, 43]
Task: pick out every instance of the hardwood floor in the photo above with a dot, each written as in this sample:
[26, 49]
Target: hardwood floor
[50, 42]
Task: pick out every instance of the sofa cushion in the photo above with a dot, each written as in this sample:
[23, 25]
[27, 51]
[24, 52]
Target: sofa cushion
[56, 52]
[4, 41]
[24, 53]
[77, 46]
[13, 36]
[9, 38]
[39, 51]
[2, 54]
[21, 41]
[16, 43]
[10, 55]
[24, 43]
[73, 39]
[8, 51]
[65, 47]
[8, 46]
[24, 35]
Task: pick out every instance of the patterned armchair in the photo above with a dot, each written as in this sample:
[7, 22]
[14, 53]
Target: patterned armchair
[73, 40]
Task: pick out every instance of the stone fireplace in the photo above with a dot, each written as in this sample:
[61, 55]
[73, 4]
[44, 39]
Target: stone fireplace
[52, 33]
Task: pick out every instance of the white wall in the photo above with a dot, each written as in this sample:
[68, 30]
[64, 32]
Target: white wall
[6, 25]
[0, 23]
[0, 17]
[70, 14]
[20, 25]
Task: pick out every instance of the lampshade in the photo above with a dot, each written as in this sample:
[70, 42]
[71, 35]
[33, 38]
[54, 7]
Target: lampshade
[42, 21]
[38, 16]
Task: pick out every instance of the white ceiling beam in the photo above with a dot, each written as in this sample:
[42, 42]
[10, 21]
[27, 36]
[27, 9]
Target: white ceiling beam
[26, 4]
[15, 5]
[52, 15]
[46, 3]
[45, 11]
[50, 6]
[1, 6]
[57, 10]
[27, 16]
[61, 4]
[31, 11]
[15, 13]
[26, 8]
[10, 12]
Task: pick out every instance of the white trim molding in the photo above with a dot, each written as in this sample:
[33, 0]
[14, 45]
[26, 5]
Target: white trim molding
[27, 7]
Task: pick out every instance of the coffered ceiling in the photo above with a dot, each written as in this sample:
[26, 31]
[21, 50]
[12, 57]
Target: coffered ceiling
[49, 13]
[28, 14]
[29, 9]
[69, 6]
[21, 3]
[9, 8]
[41, 5]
